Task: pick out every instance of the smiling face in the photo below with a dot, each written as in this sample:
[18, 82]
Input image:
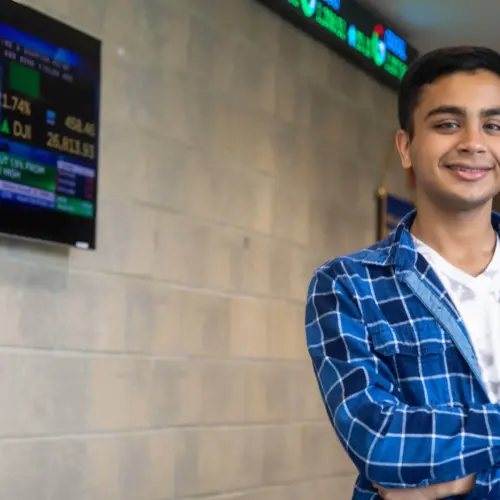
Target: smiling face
[455, 149]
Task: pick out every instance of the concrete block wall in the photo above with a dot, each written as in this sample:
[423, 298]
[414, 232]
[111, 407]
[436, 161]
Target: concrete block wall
[237, 155]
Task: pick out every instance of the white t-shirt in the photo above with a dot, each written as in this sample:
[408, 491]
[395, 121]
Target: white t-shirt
[477, 299]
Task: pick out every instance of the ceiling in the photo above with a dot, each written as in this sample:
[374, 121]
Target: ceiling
[428, 24]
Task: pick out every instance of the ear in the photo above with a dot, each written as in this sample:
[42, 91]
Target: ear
[403, 145]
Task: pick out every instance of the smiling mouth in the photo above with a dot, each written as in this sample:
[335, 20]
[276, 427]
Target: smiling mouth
[465, 168]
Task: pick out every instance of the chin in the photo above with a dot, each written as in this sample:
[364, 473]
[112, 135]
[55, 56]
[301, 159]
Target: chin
[465, 203]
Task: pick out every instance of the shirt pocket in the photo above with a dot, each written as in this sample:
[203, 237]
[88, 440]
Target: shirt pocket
[417, 359]
[411, 340]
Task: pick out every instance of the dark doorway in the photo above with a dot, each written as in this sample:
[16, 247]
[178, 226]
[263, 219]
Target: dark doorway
[496, 203]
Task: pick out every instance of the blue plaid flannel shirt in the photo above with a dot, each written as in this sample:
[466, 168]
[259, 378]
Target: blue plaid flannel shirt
[397, 372]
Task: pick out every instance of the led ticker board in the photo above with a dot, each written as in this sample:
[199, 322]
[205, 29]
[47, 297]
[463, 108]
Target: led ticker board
[49, 127]
[355, 32]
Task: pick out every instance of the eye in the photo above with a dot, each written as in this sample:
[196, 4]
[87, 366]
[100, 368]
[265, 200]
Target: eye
[494, 127]
[449, 125]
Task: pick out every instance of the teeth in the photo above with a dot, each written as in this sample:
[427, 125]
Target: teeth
[461, 169]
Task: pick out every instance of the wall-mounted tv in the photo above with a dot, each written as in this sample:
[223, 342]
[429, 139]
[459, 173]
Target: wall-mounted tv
[49, 128]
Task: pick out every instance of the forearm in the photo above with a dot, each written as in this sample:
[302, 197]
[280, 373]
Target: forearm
[398, 446]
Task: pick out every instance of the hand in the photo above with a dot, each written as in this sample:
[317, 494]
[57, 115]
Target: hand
[458, 487]
[424, 493]
[435, 492]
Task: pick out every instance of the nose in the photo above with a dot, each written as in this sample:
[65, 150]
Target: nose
[471, 142]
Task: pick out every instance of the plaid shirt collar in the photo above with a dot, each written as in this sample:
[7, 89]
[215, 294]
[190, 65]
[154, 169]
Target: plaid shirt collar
[398, 249]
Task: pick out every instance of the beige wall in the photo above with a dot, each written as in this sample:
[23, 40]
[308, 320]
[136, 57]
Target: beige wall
[237, 155]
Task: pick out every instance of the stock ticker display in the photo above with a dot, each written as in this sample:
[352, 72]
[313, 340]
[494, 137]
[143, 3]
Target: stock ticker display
[352, 30]
[49, 124]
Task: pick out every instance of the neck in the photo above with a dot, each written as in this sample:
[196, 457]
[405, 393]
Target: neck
[466, 239]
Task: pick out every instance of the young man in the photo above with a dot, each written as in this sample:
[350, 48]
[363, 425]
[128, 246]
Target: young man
[405, 335]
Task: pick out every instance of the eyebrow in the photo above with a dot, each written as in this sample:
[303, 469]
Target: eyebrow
[457, 110]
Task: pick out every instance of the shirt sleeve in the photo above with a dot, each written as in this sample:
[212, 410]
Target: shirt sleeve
[391, 443]
[487, 485]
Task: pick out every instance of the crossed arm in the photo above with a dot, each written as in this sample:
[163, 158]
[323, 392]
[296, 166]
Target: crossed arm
[393, 445]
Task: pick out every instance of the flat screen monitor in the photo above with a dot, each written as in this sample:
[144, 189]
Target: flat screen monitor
[49, 128]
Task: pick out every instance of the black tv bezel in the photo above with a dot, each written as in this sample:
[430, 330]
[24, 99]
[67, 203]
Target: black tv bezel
[41, 224]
